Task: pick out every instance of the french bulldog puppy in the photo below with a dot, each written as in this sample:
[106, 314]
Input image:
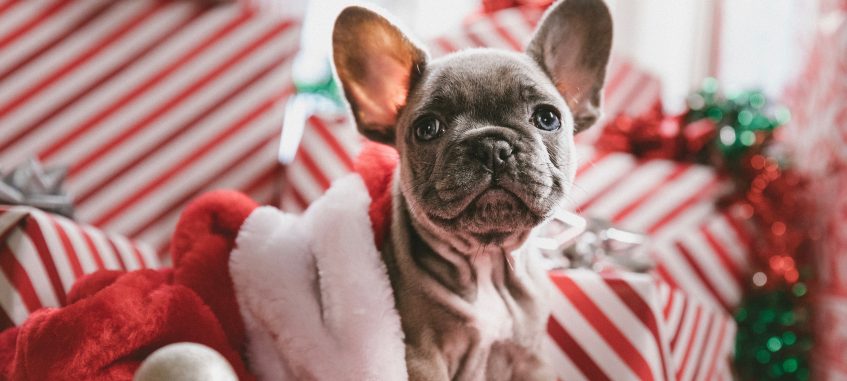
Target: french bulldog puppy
[485, 139]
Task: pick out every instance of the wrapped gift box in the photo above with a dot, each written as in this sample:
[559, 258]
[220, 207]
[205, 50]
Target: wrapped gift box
[699, 248]
[41, 255]
[631, 326]
[149, 102]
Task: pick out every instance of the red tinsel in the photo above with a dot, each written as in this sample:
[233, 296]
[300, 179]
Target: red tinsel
[655, 135]
[774, 199]
[768, 195]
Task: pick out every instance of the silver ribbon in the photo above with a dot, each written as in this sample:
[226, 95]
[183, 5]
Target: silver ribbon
[572, 241]
[31, 184]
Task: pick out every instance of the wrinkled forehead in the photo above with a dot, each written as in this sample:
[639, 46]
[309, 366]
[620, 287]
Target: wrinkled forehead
[480, 82]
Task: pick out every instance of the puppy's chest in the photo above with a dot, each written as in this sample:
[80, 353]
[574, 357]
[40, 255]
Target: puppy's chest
[492, 313]
[499, 329]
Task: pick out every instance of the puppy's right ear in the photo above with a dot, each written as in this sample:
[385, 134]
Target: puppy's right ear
[377, 65]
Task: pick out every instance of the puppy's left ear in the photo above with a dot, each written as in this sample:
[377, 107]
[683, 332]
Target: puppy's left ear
[572, 44]
[378, 65]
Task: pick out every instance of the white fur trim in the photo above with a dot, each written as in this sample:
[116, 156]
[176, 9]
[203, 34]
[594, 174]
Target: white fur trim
[315, 294]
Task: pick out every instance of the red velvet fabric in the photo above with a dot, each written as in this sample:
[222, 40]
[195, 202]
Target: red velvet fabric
[115, 319]
[376, 164]
[106, 336]
[202, 242]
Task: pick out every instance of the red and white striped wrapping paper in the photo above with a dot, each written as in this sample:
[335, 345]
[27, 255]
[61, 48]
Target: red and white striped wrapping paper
[41, 255]
[633, 327]
[150, 102]
[326, 153]
[698, 248]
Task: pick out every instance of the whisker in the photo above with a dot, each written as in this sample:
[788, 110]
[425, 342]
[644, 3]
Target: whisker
[508, 258]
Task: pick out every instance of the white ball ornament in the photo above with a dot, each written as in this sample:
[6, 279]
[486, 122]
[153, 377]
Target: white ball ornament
[185, 362]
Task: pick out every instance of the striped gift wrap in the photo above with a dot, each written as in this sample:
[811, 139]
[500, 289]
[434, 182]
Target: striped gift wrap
[634, 327]
[700, 249]
[149, 102]
[42, 255]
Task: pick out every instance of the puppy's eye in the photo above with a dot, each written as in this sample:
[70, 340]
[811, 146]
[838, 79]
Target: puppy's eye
[427, 129]
[546, 119]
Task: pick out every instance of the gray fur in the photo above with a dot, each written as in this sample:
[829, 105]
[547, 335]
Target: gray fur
[465, 202]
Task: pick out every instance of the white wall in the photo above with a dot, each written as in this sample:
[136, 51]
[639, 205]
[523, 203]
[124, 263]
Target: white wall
[670, 38]
[744, 43]
[764, 42]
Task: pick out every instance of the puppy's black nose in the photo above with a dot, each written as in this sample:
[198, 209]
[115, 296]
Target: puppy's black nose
[492, 152]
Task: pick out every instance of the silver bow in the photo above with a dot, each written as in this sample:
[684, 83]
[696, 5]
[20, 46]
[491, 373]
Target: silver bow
[31, 184]
[572, 241]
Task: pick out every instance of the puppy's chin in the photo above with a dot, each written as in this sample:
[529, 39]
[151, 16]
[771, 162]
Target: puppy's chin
[495, 216]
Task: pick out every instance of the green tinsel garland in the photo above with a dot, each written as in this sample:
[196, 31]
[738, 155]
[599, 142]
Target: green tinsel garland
[774, 336]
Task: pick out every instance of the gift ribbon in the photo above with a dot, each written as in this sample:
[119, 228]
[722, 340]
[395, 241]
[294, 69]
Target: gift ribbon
[572, 241]
[31, 184]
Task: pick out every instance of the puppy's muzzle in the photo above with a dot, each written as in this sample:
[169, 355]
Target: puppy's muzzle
[491, 152]
[491, 148]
